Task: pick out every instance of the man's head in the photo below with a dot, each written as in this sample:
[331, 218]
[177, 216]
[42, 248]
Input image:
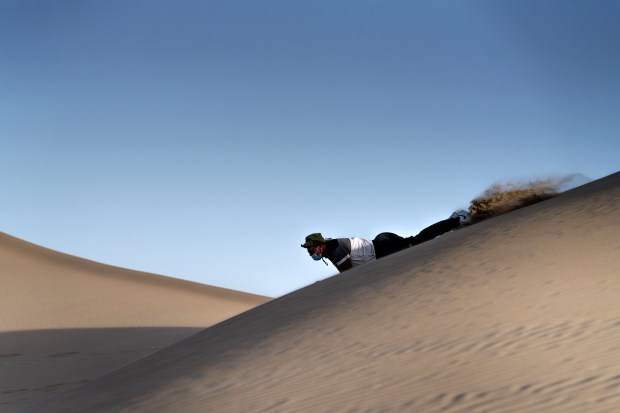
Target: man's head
[315, 244]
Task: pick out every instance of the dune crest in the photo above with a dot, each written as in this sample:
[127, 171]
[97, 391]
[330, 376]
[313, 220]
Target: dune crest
[514, 314]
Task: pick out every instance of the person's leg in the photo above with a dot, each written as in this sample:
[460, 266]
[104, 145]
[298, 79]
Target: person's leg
[388, 243]
[433, 231]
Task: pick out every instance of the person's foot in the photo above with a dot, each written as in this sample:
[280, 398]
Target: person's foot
[463, 216]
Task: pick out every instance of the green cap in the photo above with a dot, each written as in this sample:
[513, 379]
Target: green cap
[313, 240]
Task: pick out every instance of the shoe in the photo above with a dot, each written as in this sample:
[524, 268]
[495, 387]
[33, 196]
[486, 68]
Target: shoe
[463, 216]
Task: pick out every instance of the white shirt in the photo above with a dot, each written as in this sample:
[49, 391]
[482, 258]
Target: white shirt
[362, 251]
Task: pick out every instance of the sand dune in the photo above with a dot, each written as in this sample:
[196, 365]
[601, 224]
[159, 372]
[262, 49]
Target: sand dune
[519, 313]
[67, 320]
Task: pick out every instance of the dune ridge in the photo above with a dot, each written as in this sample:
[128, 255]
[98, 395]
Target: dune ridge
[518, 313]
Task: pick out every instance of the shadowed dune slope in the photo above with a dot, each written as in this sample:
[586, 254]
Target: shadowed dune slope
[66, 320]
[519, 313]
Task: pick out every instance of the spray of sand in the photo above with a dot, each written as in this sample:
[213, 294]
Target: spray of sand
[509, 196]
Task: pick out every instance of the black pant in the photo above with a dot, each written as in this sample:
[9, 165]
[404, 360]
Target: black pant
[387, 243]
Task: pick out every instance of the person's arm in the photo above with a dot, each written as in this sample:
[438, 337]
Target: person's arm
[338, 253]
[346, 265]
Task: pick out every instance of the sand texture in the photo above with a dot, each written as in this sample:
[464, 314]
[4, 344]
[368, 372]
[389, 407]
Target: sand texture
[519, 313]
[65, 320]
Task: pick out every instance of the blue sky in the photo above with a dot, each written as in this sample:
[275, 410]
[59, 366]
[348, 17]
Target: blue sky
[204, 139]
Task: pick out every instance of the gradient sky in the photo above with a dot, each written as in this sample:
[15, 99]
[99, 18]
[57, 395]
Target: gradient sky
[204, 139]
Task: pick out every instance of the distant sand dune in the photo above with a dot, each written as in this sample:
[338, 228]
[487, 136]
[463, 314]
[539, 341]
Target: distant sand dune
[519, 313]
[65, 320]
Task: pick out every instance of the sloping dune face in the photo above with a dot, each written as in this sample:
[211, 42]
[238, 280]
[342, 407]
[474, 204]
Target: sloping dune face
[66, 320]
[518, 313]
